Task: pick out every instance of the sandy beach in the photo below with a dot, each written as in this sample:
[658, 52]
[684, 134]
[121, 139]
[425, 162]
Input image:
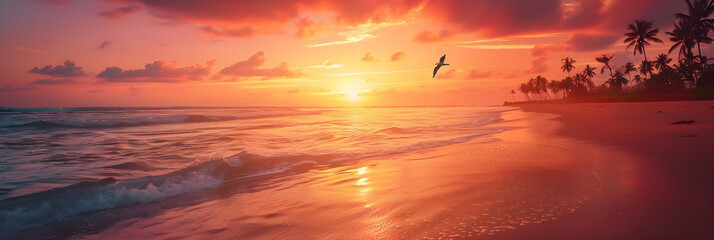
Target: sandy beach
[660, 186]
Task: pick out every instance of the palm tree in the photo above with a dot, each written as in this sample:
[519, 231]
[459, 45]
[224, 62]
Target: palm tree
[617, 80]
[638, 79]
[628, 68]
[513, 95]
[554, 86]
[542, 85]
[639, 34]
[683, 37]
[525, 90]
[662, 62]
[646, 67]
[589, 71]
[698, 14]
[567, 64]
[605, 60]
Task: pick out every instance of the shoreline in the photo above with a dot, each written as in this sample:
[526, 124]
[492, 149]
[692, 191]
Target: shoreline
[663, 188]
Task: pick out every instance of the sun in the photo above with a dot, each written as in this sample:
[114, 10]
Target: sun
[353, 95]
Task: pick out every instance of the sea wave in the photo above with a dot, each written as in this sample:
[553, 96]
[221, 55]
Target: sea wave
[37, 209]
[109, 121]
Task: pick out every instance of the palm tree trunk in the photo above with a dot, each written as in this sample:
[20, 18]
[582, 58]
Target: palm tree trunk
[701, 62]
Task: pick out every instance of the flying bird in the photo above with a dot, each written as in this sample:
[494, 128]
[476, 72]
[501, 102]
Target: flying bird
[438, 65]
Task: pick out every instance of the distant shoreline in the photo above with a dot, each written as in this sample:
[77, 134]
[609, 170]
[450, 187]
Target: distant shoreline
[627, 97]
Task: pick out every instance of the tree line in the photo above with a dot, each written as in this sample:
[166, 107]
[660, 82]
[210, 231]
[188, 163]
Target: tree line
[691, 71]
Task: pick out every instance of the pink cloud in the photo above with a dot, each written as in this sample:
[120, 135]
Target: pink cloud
[253, 67]
[308, 29]
[451, 73]
[369, 58]
[476, 74]
[54, 2]
[12, 88]
[432, 37]
[398, 56]
[30, 50]
[67, 70]
[583, 42]
[119, 12]
[60, 81]
[158, 71]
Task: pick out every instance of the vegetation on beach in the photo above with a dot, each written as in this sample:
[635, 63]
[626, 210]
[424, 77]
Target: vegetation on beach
[691, 77]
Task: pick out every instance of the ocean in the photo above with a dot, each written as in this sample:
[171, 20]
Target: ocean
[69, 172]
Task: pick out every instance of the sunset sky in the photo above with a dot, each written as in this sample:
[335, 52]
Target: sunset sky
[61, 53]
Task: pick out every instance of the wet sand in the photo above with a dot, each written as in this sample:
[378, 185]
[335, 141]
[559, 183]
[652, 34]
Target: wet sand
[663, 188]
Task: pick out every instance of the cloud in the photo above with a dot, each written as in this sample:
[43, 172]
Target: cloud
[158, 71]
[498, 18]
[358, 33]
[60, 81]
[271, 15]
[119, 12]
[293, 91]
[67, 70]
[11, 88]
[584, 42]
[308, 29]
[487, 18]
[328, 64]
[95, 91]
[398, 56]
[476, 74]
[451, 73]
[579, 42]
[539, 56]
[431, 37]
[30, 50]
[104, 44]
[241, 32]
[253, 67]
[369, 58]
[53, 2]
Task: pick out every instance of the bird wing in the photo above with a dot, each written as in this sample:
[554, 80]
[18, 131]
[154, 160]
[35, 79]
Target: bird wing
[435, 70]
[441, 60]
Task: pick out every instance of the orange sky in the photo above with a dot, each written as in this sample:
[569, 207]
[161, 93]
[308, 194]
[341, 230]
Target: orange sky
[303, 52]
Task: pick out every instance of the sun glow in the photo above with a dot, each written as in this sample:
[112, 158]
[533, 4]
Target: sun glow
[353, 90]
[353, 95]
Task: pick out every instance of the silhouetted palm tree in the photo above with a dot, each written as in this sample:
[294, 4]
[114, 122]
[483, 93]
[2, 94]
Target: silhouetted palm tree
[683, 37]
[554, 86]
[513, 95]
[662, 62]
[542, 85]
[698, 14]
[525, 90]
[605, 60]
[639, 34]
[534, 88]
[589, 71]
[628, 68]
[567, 65]
[637, 79]
[646, 67]
[617, 80]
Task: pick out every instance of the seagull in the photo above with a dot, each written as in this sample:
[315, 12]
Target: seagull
[438, 65]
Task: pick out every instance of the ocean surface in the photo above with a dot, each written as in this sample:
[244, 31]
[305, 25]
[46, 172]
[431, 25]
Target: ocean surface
[61, 164]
